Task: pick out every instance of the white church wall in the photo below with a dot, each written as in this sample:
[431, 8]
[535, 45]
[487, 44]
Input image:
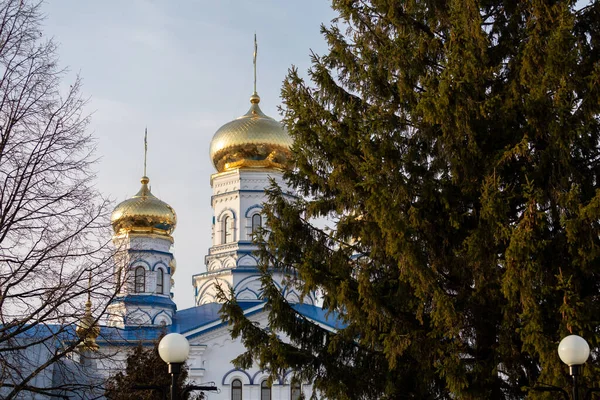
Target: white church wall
[152, 253]
[245, 283]
[236, 194]
[219, 350]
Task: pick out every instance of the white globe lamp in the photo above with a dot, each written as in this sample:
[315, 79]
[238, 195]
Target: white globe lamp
[573, 350]
[174, 349]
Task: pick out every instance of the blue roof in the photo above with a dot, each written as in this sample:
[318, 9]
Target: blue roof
[183, 321]
[131, 334]
[108, 334]
[196, 317]
[41, 331]
[320, 315]
[145, 300]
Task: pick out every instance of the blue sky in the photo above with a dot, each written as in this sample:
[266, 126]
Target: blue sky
[183, 69]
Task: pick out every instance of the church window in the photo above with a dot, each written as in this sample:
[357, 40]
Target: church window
[295, 391]
[140, 280]
[236, 389]
[160, 279]
[265, 391]
[226, 231]
[118, 279]
[256, 222]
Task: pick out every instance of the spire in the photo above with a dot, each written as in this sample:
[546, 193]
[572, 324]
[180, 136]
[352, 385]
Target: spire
[89, 300]
[255, 52]
[145, 150]
[87, 328]
[255, 98]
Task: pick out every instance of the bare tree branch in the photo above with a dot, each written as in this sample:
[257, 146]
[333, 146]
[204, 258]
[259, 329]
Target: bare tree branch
[54, 230]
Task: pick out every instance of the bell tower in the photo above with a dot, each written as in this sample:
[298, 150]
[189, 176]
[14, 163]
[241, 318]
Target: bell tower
[247, 153]
[144, 264]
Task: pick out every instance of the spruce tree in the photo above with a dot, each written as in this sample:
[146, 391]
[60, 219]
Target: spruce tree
[455, 145]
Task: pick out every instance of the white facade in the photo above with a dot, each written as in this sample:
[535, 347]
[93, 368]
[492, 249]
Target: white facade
[143, 270]
[237, 201]
[145, 266]
[210, 361]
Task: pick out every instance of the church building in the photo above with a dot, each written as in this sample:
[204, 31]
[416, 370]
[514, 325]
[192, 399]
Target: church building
[247, 153]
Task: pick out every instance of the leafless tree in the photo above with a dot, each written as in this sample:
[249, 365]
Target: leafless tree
[53, 222]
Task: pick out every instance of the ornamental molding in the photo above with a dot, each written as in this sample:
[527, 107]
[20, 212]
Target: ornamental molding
[223, 247]
[224, 199]
[253, 196]
[218, 263]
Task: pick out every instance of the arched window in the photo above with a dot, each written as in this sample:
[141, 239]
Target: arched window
[226, 230]
[140, 280]
[265, 391]
[160, 281]
[295, 391]
[256, 222]
[236, 389]
[118, 279]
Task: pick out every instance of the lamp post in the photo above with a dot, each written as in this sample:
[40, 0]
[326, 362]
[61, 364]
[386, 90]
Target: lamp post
[574, 351]
[174, 350]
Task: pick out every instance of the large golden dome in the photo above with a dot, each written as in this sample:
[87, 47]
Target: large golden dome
[251, 141]
[144, 213]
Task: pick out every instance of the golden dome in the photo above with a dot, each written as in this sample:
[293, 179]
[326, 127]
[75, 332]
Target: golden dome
[251, 141]
[88, 330]
[144, 213]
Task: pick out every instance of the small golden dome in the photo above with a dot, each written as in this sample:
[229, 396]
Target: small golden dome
[88, 330]
[144, 213]
[251, 141]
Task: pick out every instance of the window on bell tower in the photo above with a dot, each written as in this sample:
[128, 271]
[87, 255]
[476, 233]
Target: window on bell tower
[160, 279]
[256, 222]
[140, 280]
[226, 231]
[118, 279]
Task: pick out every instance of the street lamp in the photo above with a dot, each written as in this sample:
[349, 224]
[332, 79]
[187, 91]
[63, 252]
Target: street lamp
[174, 349]
[574, 351]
